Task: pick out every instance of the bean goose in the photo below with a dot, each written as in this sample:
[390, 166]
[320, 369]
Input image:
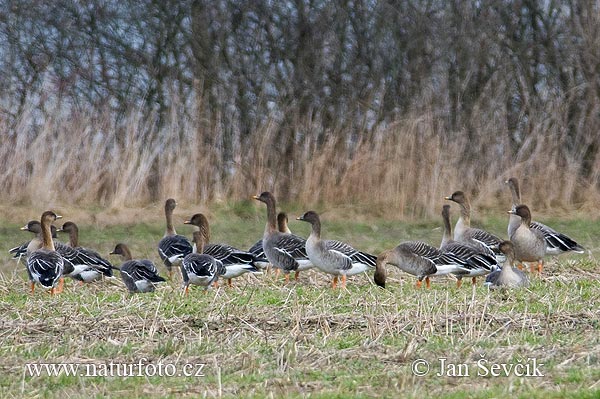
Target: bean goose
[478, 262]
[334, 257]
[419, 259]
[45, 265]
[199, 268]
[556, 243]
[508, 277]
[529, 243]
[257, 248]
[172, 248]
[284, 251]
[464, 233]
[139, 275]
[236, 262]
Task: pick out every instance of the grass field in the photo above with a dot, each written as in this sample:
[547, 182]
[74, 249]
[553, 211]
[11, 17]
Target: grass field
[262, 338]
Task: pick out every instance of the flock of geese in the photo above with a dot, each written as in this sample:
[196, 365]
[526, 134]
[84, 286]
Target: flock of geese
[466, 252]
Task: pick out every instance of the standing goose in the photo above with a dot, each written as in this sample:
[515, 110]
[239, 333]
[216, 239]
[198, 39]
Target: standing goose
[173, 247]
[464, 233]
[509, 276]
[556, 243]
[89, 265]
[236, 262]
[199, 268]
[257, 248]
[529, 243]
[45, 265]
[419, 259]
[139, 275]
[334, 257]
[26, 248]
[476, 261]
[283, 250]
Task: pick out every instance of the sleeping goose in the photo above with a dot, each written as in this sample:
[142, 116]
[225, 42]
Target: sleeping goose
[529, 243]
[199, 268]
[257, 248]
[236, 262]
[478, 262]
[173, 247]
[285, 252]
[508, 276]
[45, 265]
[556, 243]
[89, 265]
[334, 257]
[464, 233]
[139, 275]
[419, 259]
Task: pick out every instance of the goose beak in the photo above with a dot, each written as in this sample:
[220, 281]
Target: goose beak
[58, 216]
[255, 197]
[187, 222]
[299, 218]
[24, 228]
[448, 198]
[512, 212]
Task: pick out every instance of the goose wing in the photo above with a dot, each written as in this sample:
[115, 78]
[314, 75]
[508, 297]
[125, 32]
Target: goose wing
[556, 242]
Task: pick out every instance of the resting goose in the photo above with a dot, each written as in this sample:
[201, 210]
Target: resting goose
[88, 264]
[529, 243]
[199, 268]
[257, 248]
[139, 275]
[173, 247]
[509, 276]
[476, 261]
[556, 243]
[286, 252]
[334, 257]
[464, 233]
[236, 262]
[45, 265]
[416, 258]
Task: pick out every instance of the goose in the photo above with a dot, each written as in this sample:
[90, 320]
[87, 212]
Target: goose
[139, 275]
[334, 257]
[236, 262]
[556, 243]
[478, 262]
[286, 252]
[89, 265]
[26, 248]
[464, 233]
[529, 243]
[257, 248]
[45, 265]
[172, 248]
[419, 259]
[508, 276]
[199, 268]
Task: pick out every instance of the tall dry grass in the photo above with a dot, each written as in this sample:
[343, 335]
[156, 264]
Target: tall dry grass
[401, 169]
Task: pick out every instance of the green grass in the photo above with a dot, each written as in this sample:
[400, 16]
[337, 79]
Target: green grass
[261, 338]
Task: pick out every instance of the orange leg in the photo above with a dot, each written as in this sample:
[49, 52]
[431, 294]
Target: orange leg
[540, 266]
[296, 275]
[61, 285]
[229, 282]
[458, 283]
[520, 266]
[474, 280]
[53, 291]
[532, 268]
[216, 284]
[343, 281]
[419, 283]
[427, 282]
[334, 282]
[32, 286]
[186, 291]
[287, 278]
[277, 271]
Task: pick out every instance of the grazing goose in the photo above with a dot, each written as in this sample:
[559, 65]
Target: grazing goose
[334, 257]
[508, 277]
[556, 243]
[257, 248]
[236, 262]
[173, 247]
[88, 264]
[199, 268]
[45, 265]
[464, 233]
[529, 243]
[139, 275]
[286, 252]
[477, 262]
[419, 259]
